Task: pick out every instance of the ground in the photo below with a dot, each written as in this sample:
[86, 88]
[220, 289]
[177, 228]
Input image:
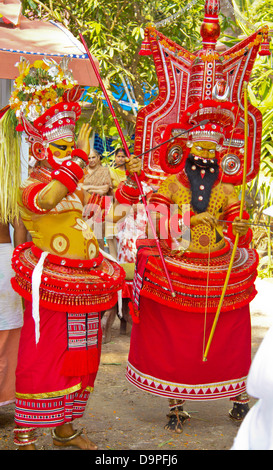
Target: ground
[120, 417]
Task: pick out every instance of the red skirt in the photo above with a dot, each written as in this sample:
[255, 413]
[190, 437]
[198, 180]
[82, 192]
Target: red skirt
[167, 346]
[53, 380]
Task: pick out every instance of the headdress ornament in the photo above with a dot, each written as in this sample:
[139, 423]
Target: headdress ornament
[41, 90]
[45, 103]
[193, 86]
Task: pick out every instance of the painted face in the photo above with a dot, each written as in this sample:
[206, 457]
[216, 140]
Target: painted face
[59, 151]
[204, 149]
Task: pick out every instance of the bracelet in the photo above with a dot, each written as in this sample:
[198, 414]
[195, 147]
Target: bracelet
[81, 154]
[245, 240]
[158, 198]
[30, 196]
[127, 194]
[68, 174]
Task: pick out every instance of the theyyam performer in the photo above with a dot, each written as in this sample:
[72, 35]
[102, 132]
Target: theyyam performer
[183, 346]
[65, 280]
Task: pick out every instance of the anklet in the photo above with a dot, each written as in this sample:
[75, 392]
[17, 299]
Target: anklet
[65, 439]
[24, 436]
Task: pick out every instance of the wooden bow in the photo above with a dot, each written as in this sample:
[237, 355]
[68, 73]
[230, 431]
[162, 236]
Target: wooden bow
[128, 155]
[237, 235]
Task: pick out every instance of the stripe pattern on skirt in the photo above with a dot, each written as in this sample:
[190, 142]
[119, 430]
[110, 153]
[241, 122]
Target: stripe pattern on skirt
[51, 412]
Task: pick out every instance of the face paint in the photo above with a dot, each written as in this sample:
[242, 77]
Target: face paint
[59, 151]
[203, 149]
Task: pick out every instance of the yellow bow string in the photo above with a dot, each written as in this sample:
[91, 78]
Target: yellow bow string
[237, 235]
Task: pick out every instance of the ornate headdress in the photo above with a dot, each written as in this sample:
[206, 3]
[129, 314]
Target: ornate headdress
[45, 102]
[198, 86]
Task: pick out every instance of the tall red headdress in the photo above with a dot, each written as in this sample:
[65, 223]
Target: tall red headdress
[197, 86]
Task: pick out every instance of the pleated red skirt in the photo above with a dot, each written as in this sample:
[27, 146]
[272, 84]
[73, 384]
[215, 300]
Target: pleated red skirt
[45, 394]
[167, 347]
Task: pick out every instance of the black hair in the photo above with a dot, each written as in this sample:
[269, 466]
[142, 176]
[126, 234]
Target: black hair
[120, 149]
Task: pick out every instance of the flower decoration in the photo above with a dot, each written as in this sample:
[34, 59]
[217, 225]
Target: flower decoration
[39, 86]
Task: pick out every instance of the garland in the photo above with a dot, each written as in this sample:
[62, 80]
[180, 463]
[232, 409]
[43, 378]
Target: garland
[212, 56]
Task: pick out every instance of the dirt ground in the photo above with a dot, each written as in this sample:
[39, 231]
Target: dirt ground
[119, 417]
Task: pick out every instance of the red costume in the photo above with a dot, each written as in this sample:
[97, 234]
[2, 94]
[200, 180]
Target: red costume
[169, 333]
[64, 278]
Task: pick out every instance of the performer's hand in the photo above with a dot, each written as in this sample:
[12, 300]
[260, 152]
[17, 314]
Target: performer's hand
[240, 226]
[133, 164]
[203, 218]
[83, 138]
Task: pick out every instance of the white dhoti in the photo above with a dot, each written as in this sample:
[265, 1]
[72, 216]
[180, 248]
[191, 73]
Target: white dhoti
[11, 321]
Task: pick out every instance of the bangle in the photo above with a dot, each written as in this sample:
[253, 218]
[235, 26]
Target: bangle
[29, 198]
[245, 240]
[80, 153]
[158, 198]
[68, 174]
[126, 194]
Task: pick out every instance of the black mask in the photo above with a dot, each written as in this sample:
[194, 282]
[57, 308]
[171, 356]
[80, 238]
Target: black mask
[202, 173]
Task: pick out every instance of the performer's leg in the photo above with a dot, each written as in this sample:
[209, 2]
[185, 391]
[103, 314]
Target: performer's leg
[112, 245]
[65, 435]
[107, 320]
[240, 407]
[176, 416]
[25, 438]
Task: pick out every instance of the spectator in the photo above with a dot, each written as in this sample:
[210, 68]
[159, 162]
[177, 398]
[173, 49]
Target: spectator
[97, 182]
[97, 178]
[118, 174]
[118, 170]
[11, 308]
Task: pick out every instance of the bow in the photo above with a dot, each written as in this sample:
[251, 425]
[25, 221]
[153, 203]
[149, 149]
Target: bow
[237, 235]
[128, 155]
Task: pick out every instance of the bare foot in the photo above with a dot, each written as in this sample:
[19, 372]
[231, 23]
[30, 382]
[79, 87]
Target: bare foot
[27, 447]
[64, 438]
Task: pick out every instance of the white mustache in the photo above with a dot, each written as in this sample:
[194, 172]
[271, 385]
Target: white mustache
[61, 160]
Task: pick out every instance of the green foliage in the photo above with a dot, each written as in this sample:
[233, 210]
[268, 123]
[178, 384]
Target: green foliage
[114, 32]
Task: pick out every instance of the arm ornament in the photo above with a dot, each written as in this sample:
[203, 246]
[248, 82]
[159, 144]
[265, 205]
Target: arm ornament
[30, 196]
[71, 171]
[133, 178]
[162, 204]
[159, 199]
[80, 154]
[127, 191]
